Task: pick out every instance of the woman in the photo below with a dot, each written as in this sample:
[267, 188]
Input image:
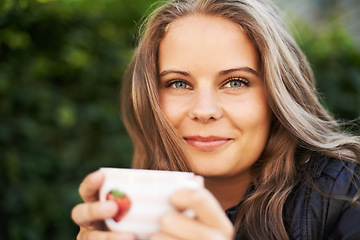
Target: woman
[220, 88]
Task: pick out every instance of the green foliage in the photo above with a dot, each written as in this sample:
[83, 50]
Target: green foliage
[61, 63]
[335, 60]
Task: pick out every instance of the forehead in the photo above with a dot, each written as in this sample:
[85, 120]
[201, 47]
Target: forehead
[204, 22]
[211, 38]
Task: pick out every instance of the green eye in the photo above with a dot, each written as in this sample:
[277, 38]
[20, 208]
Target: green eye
[179, 84]
[235, 83]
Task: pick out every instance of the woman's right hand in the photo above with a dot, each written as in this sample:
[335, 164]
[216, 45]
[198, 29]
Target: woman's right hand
[90, 214]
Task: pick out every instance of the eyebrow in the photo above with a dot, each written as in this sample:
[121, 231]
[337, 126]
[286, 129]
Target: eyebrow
[242, 69]
[163, 73]
[221, 73]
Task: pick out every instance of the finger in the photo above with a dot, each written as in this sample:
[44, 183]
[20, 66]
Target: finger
[85, 234]
[162, 236]
[180, 226]
[85, 214]
[89, 188]
[207, 209]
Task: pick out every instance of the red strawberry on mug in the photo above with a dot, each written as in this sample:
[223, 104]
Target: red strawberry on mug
[122, 201]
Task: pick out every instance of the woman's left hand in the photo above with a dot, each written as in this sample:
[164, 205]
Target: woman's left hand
[210, 221]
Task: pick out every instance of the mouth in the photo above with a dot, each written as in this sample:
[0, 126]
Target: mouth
[207, 144]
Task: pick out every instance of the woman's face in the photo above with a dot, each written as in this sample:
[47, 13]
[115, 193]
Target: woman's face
[211, 91]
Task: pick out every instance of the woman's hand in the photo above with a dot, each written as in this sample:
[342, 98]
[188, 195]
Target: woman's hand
[90, 215]
[210, 221]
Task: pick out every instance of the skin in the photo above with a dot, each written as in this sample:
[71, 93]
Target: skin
[220, 112]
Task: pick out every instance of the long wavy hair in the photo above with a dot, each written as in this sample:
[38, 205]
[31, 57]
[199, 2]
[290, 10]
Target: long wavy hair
[301, 127]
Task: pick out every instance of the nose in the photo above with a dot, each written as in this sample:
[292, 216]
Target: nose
[205, 106]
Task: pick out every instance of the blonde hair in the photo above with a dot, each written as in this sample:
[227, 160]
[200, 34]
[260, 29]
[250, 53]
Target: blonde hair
[301, 127]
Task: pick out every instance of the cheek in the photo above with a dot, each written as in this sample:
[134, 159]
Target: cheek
[172, 108]
[253, 120]
[252, 114]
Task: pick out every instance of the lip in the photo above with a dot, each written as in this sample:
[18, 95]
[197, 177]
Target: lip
[207, 144]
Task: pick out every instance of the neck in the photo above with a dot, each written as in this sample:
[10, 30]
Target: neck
[229, 191]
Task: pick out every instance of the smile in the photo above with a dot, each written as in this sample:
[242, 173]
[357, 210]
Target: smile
[207, 144]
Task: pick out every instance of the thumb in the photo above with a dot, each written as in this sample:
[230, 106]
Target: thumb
[205, 206]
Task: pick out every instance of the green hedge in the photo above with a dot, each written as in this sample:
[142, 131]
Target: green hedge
[335, 59]
[61, 63]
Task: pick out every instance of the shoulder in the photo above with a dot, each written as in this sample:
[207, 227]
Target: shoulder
[334, 176]
[321, 206]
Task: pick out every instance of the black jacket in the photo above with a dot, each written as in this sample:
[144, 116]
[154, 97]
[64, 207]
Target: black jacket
[310, 214]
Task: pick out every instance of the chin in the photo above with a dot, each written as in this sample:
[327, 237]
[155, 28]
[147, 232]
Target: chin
[210, 172]
[222, 171]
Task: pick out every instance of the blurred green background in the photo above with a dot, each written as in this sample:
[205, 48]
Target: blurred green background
[61, 64]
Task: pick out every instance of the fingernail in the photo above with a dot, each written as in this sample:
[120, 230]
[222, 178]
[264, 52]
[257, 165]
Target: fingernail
[109, 207]
[95, 176]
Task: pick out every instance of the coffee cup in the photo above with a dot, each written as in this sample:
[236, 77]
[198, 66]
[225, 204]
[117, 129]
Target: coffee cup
[143, 197]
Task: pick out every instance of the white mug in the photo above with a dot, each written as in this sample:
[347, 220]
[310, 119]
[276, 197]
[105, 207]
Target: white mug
[143, 197]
